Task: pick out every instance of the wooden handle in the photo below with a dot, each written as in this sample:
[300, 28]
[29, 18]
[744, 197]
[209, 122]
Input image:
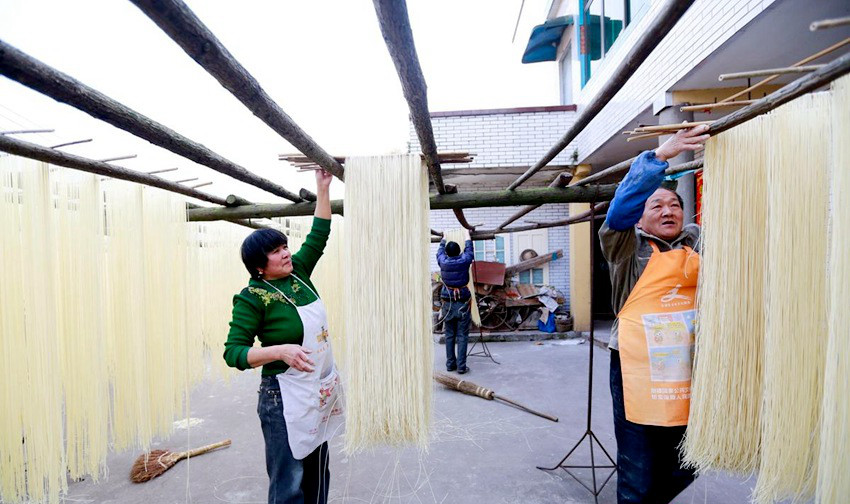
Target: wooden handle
[202, 450]
[525, 408]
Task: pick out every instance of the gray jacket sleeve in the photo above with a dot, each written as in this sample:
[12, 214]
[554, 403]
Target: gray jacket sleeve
[617, 246]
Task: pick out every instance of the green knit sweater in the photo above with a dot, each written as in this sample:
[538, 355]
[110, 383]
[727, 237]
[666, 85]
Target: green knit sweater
[260, 311]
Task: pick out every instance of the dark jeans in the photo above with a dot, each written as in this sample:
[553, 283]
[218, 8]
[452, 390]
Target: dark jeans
[648, 466]
[456, 319]
[290, 481]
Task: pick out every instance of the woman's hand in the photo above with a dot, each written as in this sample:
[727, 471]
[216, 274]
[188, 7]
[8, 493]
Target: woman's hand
[684, 140]
[323, 180]
[296, 357]
[323, 198]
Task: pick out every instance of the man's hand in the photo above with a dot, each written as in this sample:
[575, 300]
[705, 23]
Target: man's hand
[684, 140]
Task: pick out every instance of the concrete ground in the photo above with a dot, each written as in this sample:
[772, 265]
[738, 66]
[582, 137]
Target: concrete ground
[481, 452]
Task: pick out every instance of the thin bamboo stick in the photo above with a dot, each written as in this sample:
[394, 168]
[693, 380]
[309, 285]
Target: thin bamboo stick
[19, 132]
[819, 54]
[769, 71]
[118, 158]
[709, 106]
[670, 127]
[829, 23]
[66, 144]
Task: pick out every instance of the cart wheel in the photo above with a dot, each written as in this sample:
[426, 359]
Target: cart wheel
[492, 312]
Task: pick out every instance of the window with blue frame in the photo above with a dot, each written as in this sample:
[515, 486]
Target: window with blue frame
[533, 276]
[602, 22]
[490, 250]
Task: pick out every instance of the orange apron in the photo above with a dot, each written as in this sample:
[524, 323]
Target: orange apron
[656, 338]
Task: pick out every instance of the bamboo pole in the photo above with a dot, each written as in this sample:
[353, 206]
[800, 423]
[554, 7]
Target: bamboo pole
[184, 27]
[661, 25]
[202, 184]
[34, 74]
[481, 199]
[819, 54]
[829, 23]
[395, 28]
[59, 158]
[769, 71]
[560, 181]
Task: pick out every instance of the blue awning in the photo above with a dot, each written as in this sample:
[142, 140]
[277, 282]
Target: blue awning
[544, 40]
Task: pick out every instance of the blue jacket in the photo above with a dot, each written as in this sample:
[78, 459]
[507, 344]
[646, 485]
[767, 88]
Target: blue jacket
[644, 177]
[455, 271]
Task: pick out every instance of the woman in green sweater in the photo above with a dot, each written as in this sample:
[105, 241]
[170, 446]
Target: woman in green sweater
[300, 405]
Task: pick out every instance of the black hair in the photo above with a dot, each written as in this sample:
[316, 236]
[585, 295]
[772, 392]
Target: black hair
[452, 249]
[257, 245]
[672, 185]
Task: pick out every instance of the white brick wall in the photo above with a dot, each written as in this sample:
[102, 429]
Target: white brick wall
[506, 139]
[510, 139]
[703, 28]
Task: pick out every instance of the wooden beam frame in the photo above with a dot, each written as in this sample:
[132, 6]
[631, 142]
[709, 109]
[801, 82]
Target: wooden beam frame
[661, 25]
[568, 194]
[184, 28]
[36, 75]
[395, 28]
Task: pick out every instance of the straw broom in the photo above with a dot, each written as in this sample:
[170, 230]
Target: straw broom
[150, 465]
[467, 387]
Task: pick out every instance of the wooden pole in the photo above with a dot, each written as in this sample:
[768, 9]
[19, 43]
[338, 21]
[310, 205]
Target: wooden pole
[568, 194]
[819, 54]
[462, 219]
[242, 222]
[34, 74]
[233, 200]
[769, 71]
[184, 27]
[560, 181]
[398, 36]
[307, 195]
[59, 158]
[666, 128]
[661, 25]
[831, 71]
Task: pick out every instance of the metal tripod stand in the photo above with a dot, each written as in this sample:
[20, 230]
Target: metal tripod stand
[588, 434]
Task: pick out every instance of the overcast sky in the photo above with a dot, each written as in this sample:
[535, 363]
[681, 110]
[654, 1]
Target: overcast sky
[323, 61]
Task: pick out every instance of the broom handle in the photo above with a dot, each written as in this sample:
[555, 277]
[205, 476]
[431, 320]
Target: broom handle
[518, 405]
[203, 449]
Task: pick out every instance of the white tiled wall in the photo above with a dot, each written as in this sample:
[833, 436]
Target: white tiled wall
[700, 31]
[517, 139]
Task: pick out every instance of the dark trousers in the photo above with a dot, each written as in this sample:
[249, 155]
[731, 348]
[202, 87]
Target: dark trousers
[456, 319]
[291, 481]
[648, 467]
